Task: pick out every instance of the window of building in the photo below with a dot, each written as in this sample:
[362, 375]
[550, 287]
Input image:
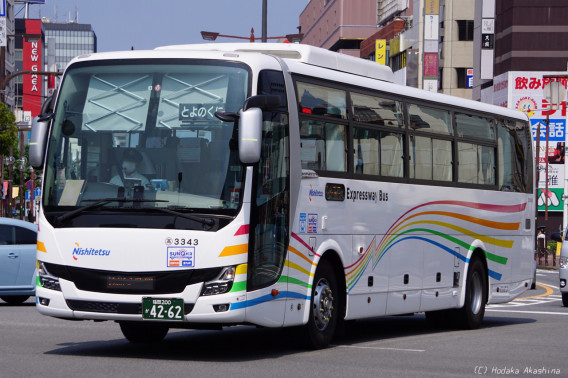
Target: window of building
[465, 30]
[462, 77]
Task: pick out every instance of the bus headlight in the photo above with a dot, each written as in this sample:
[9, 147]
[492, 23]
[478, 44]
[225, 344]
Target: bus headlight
[222, 284]
[563, 261]
[47, 280]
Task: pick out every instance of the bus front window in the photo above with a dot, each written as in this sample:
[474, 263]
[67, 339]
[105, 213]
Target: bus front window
[143, 134]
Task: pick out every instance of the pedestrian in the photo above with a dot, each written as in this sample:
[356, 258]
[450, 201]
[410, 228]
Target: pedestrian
[541, 245]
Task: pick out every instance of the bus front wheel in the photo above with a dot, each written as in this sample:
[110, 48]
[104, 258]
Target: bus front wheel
[565, 299]
[471, 314]
[143, 332]
[324, 308]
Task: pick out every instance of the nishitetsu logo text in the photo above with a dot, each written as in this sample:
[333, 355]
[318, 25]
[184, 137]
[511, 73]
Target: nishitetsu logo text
[79, 251]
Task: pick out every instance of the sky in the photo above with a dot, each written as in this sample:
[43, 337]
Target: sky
[145, 24]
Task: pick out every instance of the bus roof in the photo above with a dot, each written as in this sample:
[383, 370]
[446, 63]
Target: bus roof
[302, 53]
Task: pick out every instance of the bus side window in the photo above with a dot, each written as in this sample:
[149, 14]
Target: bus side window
[323, 146]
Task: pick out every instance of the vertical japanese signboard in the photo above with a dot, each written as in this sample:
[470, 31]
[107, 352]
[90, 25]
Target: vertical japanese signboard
[32, 62]
[430, 45]
[381, 51]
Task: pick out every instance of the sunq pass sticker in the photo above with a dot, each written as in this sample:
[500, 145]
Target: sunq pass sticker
[181, 257]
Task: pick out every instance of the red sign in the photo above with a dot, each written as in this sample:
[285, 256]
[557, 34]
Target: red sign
[430, 65]
[32, 62]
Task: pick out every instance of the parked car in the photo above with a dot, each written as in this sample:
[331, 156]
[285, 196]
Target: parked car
[563, 265]
[18, 240]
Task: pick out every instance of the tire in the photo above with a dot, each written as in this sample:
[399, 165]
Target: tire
[15, 299]
[324, 308]
[143, 332]
[565, 299]
[471, 314]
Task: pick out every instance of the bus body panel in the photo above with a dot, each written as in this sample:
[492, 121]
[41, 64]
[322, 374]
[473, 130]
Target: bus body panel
[418, 240]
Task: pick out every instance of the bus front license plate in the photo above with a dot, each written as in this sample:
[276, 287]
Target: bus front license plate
[162, 308]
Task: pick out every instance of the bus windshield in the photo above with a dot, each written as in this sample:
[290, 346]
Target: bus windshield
[145, 135]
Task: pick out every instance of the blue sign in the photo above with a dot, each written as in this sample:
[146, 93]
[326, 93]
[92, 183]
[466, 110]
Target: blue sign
[556, 129]
[37, 192]
[28, 195]
[469, 78]
[2, 8]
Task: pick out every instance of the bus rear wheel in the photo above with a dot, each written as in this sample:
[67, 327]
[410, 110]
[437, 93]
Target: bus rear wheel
[471, 314]
[324, 307]
[143, 332]
[565, 299]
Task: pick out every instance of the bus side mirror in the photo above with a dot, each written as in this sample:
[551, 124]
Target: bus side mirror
[250, 135]
[38, 140]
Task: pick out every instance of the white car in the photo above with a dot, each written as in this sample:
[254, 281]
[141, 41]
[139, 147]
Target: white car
[18, 240]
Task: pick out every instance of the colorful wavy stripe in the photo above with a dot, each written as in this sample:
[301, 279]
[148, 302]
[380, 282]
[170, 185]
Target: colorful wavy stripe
[411, 223]
[300, 274]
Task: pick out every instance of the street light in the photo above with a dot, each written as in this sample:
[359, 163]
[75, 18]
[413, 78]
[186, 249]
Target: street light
[211, 36]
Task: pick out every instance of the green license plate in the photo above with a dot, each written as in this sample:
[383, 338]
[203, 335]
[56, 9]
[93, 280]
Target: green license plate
[162, 308]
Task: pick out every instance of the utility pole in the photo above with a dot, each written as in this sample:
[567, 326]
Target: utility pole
[264, 21]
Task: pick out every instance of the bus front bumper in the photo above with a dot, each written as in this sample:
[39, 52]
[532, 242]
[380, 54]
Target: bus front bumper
[84, 305]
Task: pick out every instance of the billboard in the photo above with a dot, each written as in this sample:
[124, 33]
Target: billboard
[524, 91]
[32, 52]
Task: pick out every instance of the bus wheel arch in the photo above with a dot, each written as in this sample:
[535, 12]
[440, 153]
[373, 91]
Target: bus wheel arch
[327, 302]
[476, 291]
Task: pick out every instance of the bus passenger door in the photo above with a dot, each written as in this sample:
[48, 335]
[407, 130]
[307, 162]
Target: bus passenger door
[269, 227]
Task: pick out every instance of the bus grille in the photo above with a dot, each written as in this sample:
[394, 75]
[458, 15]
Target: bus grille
[114, 307]
[151, 283]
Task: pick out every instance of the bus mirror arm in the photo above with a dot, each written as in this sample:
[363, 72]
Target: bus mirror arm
[226, 116]
[264, 102]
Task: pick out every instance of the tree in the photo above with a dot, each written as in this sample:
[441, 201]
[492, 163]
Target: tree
[8, 138]
[8, 129]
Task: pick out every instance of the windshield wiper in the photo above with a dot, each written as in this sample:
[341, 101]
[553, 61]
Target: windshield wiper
[206, 221]
[98, 203]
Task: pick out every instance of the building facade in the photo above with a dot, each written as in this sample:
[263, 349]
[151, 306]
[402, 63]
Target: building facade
[8, 53]
[66, 41]
[427, 43]
[50, 46]
[338, 25]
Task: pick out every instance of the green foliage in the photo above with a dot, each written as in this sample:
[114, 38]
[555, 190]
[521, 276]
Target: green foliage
[8, 130]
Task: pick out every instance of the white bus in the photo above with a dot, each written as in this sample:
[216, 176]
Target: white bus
[276, 185]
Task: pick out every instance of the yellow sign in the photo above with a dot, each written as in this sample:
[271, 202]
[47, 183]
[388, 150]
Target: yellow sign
[395, 45]
[432, 7]
[381, 51]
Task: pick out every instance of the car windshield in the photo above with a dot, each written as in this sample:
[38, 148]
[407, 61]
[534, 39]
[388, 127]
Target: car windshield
[146, 131]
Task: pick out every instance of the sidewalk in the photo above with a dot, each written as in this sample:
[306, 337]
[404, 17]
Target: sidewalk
[543, 263]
